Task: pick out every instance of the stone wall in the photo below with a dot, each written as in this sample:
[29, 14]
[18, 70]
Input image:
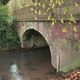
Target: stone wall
[64, 57]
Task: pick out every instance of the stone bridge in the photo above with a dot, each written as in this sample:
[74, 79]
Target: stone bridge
[60, 38]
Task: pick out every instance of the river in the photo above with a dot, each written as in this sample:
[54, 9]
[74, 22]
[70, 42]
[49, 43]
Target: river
[33, 64]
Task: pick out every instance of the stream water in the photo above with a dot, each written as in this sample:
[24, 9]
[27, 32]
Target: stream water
[15, 73]
[34, 64]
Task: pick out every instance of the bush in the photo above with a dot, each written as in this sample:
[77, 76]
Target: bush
[8, 34]
[4, 1]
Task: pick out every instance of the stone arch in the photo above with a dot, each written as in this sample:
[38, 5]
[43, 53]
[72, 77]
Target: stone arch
[45, 32]
[35, 38]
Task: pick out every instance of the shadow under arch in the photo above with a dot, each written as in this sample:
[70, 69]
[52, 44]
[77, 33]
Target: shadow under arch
[32, 39]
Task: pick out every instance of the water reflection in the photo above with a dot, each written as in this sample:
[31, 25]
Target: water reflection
[15, 73]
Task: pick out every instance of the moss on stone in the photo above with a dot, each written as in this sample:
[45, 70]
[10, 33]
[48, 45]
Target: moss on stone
[73, 65]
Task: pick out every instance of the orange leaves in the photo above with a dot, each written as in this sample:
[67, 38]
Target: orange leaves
[74, 76]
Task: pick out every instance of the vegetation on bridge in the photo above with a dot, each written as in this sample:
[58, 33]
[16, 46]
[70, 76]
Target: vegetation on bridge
[48, 9]
[8, 34]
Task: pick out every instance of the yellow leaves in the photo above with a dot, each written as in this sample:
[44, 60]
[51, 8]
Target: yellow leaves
[35, 11]
[12, 5]
[56, 1]
[75, 29]
[35, 18]
[39, 12]
[51, 1]
[39, 8]
[45, 13]
[62, 1]
[53, 6]
[64, 30]
[65, 10]
[62, 21]
[76, 4]
[31, 9]
[69, 22]
[59, 2]
[23, 3]
[53, 21]
[72, 18]
[35, 4]
[19, 3]
[48, 9]
[43, 6]
[49, 17]
[39, 4]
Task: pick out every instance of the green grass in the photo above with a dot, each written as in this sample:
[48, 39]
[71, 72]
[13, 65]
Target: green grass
[3, 10]
[73, 65]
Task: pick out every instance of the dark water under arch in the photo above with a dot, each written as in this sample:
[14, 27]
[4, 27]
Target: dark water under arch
[33, 64]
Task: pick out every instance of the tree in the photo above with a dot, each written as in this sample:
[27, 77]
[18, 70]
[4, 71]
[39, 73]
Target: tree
[8, 33]
[4, 1]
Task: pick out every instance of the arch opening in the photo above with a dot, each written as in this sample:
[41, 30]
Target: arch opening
[39, 52]
[33, 39]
